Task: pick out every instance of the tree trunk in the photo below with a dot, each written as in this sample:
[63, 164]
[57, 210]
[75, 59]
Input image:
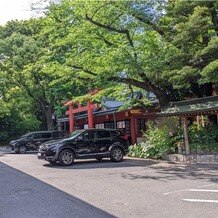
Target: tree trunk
[162, 97]
[48, 115]
[47, 110]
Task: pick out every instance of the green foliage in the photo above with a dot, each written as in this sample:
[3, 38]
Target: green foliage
[165, 47]
[158, 143]
[102, 43]
[4, 136]
[137, 151]
[203, 139]
[210, 72]
[27, 124]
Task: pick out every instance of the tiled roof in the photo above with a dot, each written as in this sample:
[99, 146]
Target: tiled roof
[192, 106]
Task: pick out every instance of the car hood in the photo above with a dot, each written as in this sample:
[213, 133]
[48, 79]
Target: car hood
[55, 142]
[17, 140]
[52, 142]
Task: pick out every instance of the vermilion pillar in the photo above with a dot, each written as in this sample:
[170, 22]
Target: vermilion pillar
[90, 114]
[133, 129]
[89, 107]
[71, 117]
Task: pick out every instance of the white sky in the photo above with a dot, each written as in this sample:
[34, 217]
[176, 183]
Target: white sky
[14, 9]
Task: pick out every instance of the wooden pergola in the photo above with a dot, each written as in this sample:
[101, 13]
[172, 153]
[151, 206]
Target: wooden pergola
[192, 107]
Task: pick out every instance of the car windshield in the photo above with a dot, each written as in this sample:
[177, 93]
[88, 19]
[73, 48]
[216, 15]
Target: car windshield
[74, 134]
[26, 135]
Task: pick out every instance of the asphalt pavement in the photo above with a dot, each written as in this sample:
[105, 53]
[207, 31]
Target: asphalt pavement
[133, 188]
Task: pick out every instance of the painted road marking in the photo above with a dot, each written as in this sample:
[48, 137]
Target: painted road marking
[201, 200]
[183, 190]
[202, 190]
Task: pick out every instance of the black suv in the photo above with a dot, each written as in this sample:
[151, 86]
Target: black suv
[83, 144]
[32, 140]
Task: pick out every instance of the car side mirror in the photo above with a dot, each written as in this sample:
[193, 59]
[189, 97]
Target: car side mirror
[79, 139]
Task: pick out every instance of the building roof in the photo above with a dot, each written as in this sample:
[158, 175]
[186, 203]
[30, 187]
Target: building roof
[110, 106]
[191, 107]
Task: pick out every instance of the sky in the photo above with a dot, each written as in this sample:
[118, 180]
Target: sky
[14, 9]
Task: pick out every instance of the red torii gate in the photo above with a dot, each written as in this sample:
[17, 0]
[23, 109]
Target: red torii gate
[89, 108]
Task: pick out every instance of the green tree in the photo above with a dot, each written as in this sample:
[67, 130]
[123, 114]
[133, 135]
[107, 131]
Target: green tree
[168, 48]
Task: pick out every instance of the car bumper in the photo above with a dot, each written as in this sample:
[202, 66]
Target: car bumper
[12, 148]
[42, 156]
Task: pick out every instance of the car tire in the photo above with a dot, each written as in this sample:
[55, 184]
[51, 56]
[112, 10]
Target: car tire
[51, 162]
[116, 154]
[66, 157]
[22, 149]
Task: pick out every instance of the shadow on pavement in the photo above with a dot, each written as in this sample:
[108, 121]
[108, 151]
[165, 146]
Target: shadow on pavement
[24, 196]
[207, 172]
[105, 163]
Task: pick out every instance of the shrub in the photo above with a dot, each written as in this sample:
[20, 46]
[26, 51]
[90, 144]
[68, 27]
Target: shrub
[159, 143]
[203, 139]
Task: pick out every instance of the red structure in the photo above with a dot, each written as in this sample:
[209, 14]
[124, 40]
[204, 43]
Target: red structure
[89, 108]
[130, 121]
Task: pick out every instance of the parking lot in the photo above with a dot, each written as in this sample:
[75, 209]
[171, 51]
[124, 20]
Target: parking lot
[133, 188]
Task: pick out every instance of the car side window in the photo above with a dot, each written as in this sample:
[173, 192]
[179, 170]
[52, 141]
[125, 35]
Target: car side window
[115, 134]
[103, 134]
[46, 135]
[37, 136]
[30, 136]
[88, 135]
[56, 134]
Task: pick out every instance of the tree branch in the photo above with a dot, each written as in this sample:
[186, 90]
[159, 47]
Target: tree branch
[85, 70]
[100, 8]
[148, 22]
[146, 85]
[110, 28]
[108, 43]
[105, 26]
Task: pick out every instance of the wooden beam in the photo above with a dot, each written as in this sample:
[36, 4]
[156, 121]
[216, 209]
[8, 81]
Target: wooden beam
[186, 140]
[71, 118]
[133, 129]
[90, 115]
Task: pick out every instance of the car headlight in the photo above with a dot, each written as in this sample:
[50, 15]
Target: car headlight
[13, 143]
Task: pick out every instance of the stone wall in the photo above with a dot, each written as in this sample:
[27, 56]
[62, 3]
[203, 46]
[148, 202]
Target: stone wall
[193, 158]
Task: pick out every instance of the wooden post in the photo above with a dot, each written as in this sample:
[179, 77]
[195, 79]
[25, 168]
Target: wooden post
[71, 118]
[90, 115]
[133, 129]
[185, 128]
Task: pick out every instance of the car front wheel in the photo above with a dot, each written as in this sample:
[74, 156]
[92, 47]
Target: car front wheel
[116, 154]
[22, 149]
[66, 157]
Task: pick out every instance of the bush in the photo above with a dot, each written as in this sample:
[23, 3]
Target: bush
[137, 151]
[203, 139]
[159, 143]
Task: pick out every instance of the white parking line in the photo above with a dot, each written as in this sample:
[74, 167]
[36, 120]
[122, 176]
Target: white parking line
[202, 190]
[183, 190]
[201, 200]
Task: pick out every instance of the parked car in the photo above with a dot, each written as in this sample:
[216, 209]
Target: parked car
[83, 144]
[32, 140]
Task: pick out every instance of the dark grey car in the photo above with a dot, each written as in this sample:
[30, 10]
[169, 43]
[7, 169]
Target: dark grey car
[32, 140]
[89, 143]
